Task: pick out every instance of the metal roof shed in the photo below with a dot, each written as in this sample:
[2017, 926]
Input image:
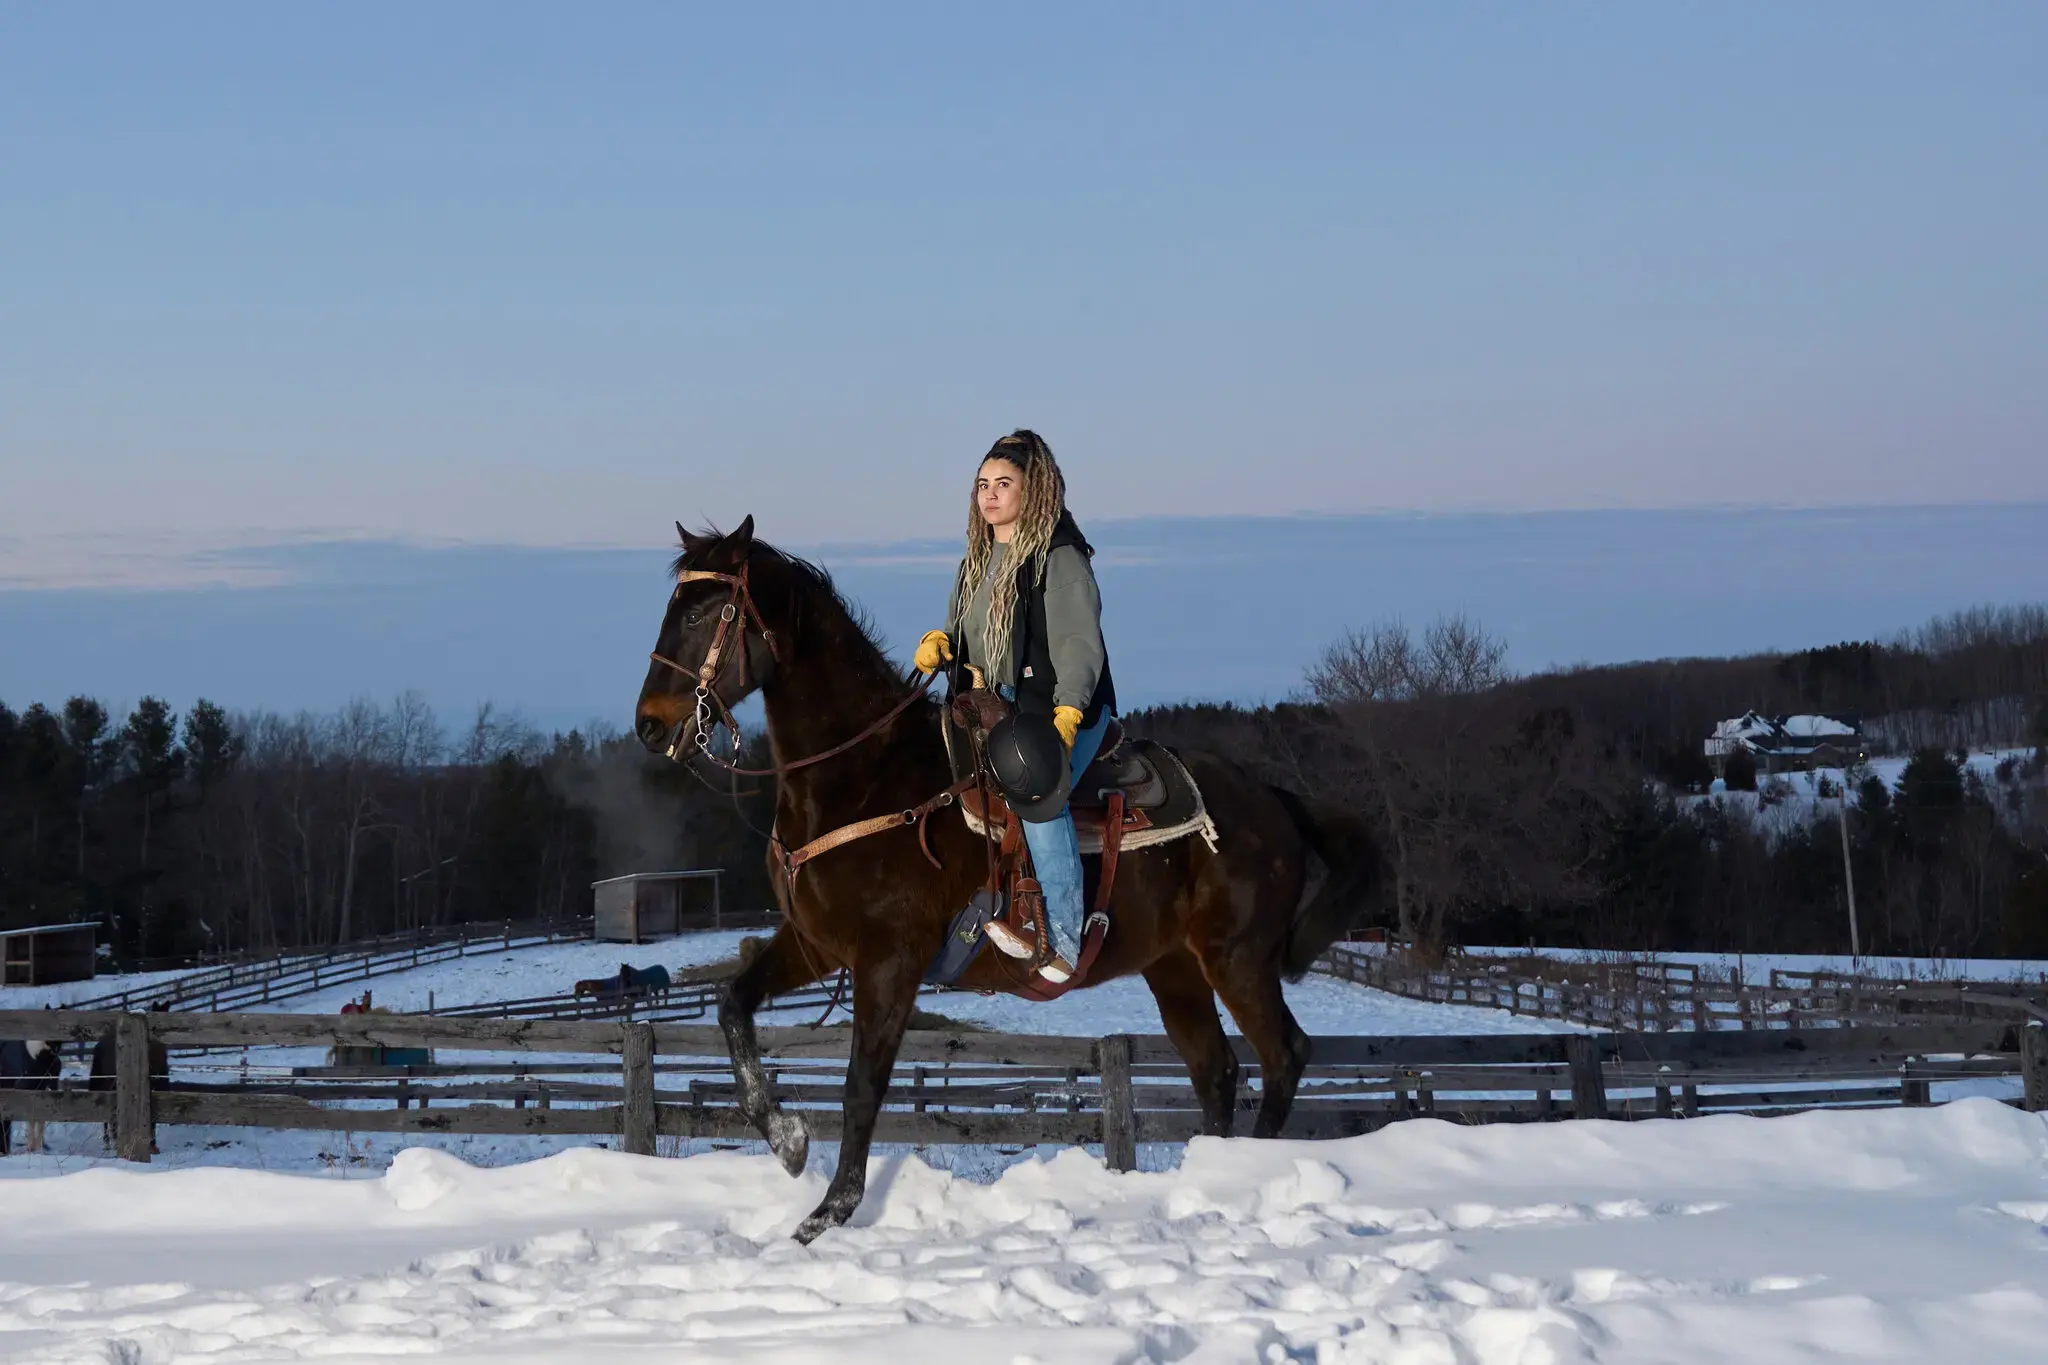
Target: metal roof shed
[645, 905]
[49, 953]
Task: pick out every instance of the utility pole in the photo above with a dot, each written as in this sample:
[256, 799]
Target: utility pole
[1849, 872]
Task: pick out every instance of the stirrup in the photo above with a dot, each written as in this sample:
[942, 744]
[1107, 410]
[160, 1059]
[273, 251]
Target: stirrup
[1058, 971]
[1006, 940]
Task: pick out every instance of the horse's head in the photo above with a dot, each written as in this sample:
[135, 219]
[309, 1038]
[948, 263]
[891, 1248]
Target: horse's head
[714, 649]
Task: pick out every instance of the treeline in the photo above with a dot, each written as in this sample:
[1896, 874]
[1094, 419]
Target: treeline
[1973, 679]
[1573, 807]
[217, 834]
[1568, 807]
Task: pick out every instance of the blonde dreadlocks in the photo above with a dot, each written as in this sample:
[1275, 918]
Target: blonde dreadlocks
[1045, 497]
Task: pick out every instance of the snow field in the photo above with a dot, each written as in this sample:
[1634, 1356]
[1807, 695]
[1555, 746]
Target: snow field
[1906, 1235]
[36, 997]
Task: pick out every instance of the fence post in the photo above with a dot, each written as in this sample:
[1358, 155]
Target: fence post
[1914, 1091]
[2034, 1067]
[1119, 1106]
[1589, 1087]
[636, 1116]
[131, 1088]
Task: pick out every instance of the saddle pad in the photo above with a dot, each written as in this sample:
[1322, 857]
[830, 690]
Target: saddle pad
[1183, 812]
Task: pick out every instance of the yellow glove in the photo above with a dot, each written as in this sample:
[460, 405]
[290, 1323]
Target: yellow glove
[933, 650]
[1067, 721]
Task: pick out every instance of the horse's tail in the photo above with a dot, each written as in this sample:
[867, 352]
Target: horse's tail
[1344, 873]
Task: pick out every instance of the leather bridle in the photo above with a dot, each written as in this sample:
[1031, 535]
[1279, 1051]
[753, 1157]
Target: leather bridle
[739, 611]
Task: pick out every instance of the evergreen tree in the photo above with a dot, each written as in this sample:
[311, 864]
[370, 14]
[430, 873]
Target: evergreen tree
[212, 745]
[150, 753]
[91, 759]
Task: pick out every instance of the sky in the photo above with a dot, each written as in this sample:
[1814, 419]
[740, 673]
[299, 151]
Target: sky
[475, 279]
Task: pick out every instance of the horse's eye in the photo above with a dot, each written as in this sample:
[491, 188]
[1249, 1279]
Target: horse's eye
[695, 618]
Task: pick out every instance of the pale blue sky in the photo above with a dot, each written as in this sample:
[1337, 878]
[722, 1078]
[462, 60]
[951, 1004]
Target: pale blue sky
[547, 274]
[389, 339]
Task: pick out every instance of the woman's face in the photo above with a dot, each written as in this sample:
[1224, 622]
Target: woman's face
[999, 493]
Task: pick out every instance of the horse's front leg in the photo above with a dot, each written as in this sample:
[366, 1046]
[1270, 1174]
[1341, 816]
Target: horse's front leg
[783, 965]
[884, 994]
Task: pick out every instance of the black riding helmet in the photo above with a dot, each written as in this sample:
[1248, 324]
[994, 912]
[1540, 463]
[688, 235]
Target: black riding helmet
[1031, 766]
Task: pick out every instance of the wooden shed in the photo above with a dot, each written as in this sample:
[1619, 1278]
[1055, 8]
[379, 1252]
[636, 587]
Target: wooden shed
[646, 905]
[49, 953]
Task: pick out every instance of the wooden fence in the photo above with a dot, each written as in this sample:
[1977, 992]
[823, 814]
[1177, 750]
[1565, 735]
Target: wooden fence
[639, 1081]
[291, 975]
[1661, 997]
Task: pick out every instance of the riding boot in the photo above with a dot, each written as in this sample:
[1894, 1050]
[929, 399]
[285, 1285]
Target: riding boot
[1056, 857]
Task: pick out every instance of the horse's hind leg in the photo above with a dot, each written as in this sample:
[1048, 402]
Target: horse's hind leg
[1188, 1009]
[782, 965]
[1255, 1001]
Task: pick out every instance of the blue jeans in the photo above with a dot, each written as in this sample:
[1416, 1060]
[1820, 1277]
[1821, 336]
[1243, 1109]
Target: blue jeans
[1056, 853]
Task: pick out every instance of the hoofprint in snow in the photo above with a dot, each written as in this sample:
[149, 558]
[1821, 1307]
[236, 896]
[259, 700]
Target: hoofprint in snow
[1904, 1235]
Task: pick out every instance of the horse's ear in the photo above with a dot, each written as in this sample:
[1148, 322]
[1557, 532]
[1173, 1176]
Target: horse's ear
[692, 544]
[743, 538]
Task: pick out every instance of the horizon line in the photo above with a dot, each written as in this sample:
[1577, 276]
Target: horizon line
[200, 561]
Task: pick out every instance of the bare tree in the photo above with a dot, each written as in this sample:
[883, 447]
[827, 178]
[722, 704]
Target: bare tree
[1396, 697]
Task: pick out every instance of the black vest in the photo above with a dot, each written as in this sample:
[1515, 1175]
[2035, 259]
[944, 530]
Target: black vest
[1029, 639]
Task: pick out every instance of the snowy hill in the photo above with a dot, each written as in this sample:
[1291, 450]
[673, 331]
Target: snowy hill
[1786, 801]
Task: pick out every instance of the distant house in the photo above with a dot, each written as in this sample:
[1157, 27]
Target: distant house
[1788, 743]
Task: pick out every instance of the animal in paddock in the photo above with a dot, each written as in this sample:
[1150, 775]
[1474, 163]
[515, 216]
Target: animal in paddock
[102, 1078]
[631, 980]
[27, 1064]
[852, 741]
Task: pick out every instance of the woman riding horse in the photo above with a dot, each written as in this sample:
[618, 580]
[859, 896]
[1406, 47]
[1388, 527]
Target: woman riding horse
[1026, 618]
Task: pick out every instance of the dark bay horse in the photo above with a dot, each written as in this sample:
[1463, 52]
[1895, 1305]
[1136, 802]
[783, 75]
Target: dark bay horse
[1197, 924]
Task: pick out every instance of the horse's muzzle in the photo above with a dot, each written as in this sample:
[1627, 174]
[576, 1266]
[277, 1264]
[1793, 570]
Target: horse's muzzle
[653, 732]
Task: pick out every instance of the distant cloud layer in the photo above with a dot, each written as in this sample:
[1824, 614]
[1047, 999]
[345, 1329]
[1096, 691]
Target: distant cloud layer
[1216, 608]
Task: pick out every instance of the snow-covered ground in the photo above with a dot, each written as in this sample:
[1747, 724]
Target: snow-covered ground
[36, 997]
[1902, 1235]
[523, 973]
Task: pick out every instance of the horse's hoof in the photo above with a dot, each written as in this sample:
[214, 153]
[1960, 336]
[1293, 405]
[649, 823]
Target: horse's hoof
[826, 1216]
[791, 1142]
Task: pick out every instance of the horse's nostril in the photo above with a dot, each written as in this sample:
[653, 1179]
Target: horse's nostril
[650, 730]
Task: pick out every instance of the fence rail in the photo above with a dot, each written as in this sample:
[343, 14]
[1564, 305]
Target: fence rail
[291, 975]
[1657, 997]
[640, 1081]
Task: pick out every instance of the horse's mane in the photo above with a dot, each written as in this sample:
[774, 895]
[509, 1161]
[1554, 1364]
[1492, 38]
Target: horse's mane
[815, 579]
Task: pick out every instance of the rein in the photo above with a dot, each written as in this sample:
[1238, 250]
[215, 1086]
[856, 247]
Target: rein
[741, 604]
